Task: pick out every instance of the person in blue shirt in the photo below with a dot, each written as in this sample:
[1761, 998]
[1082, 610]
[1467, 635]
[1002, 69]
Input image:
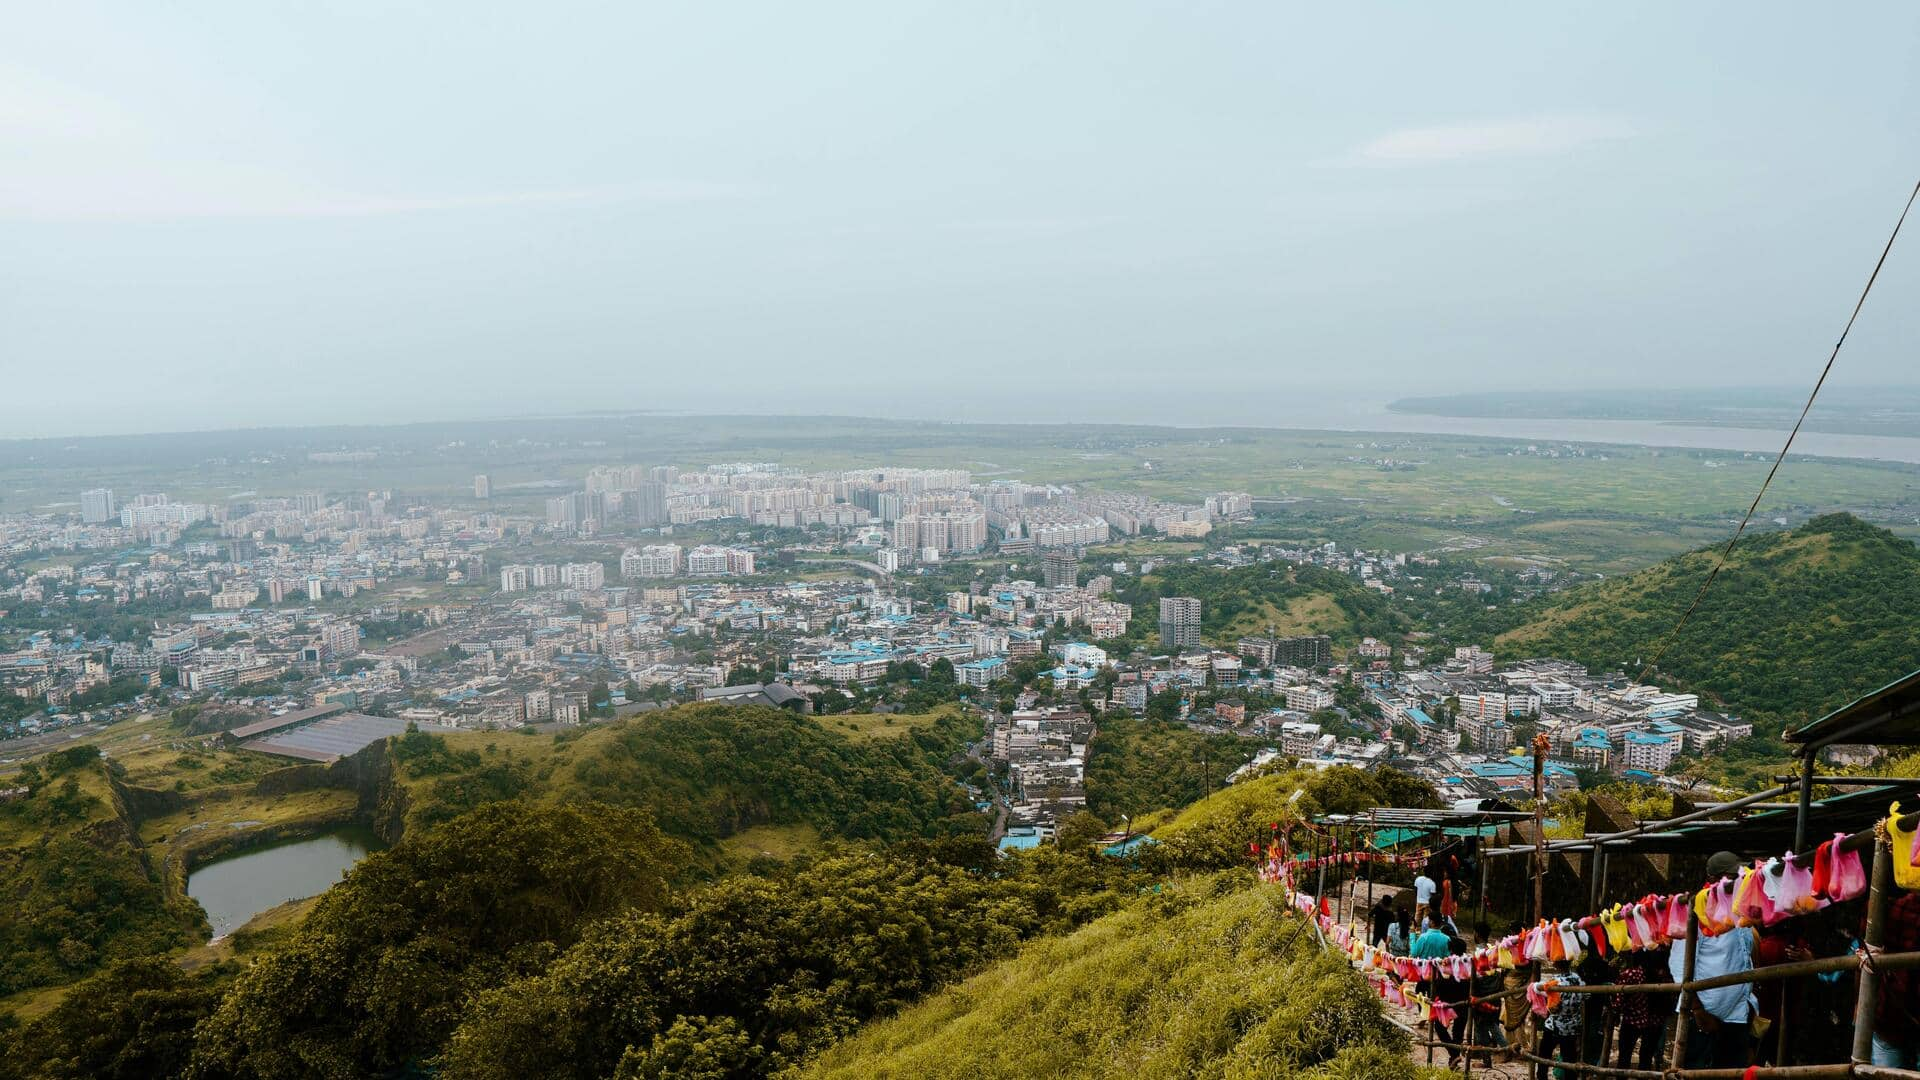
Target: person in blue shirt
[1433, 942]
[1719, 1037]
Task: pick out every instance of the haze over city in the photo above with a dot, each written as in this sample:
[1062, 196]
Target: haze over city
[962, 541]
[260, 216]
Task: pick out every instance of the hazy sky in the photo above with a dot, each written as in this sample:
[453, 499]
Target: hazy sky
[220, 214]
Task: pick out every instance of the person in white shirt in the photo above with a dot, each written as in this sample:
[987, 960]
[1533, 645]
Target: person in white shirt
[1423, 890]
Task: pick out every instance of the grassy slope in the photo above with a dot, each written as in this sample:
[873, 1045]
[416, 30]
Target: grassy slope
[1798, 623]
[1191, 983]
[1247, 600]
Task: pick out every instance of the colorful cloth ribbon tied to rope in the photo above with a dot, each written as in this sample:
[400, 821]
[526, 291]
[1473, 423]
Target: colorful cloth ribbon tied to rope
[1764, 894]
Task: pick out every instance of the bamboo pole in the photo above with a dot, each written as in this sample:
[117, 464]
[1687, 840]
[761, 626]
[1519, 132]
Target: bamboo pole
[1679, 1056]
[1853, 781]
[1320, 885]
[1882, 1072]
[1662, 826]
[1468, 1034]
[1606, 1034]
[1759, 1072]
[1806, 803]
[1481, 854]
[1430, 981]
[1372, 870]
[1797, 969]
[1868, 1001]
[1781, 1025]
[1540, 747]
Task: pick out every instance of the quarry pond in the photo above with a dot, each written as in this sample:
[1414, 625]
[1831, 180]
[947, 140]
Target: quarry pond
[236, 887]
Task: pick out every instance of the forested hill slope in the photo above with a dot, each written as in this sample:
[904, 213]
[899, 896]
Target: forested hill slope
[78, 889]
[541, 916]
[707, 771]
[1798, 623]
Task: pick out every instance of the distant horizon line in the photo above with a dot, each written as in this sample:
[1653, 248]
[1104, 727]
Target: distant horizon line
[1382, 401]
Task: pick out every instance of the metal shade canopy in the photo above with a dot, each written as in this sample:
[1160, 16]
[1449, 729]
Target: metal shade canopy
[1890, 716]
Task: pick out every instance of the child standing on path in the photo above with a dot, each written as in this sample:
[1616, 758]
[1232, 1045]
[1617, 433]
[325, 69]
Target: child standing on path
[1561, 1029]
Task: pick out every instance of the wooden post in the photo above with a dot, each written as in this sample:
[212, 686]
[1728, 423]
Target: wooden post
[1606, 1034]
[1372, 869]
[1320, 886]
[1868, 1001]
[1806, 802]
[1333, 852]
[1469, 1035]
[1540, 748]
[1780, 1045]
[1431, 979]
[1483, 883]
[1685, 1018]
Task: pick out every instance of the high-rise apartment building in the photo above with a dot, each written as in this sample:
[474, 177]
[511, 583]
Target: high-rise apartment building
[1059, 568]
[645, 504]
[1179, 621]
[654, 560]
[482, 487]
[97, 506]
[965, 531]
[582, 510]
[1313, 650]
[585, 575]
[340, 639]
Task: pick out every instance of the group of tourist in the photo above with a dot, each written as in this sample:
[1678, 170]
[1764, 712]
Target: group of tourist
[1729, 1027]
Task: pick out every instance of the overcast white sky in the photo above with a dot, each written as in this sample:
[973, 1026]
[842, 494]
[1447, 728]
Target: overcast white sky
[238, 213]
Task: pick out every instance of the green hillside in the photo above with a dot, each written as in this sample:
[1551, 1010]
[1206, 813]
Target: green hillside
[535, 918]
[1798, 623]
[78, 891]
[1213, 833]
[706, 772]
[94, 856]
[1206, 979]
[1246, 600]
[1138, 766]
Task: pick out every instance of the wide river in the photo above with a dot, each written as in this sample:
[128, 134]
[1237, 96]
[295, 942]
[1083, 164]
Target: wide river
[246, 883]
[1625, 432]
[1322, 410]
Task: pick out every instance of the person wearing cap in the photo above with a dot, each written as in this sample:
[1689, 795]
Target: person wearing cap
[1719, 1036]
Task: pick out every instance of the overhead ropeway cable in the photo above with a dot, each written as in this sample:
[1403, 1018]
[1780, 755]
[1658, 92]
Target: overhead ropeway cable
[1726, 552]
